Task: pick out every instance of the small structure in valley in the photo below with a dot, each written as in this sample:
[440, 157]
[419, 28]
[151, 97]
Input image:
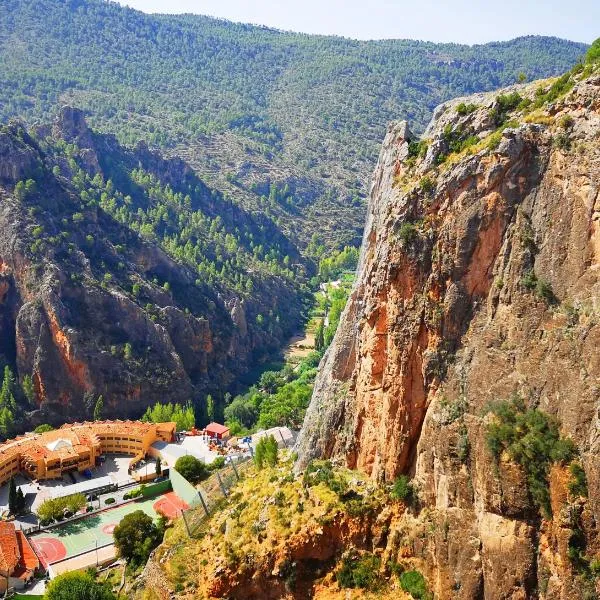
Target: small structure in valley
[217, 431]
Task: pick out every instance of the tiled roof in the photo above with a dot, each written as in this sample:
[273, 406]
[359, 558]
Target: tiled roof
[81, 435]
[217, 428]
[9, 548]
[29, 560]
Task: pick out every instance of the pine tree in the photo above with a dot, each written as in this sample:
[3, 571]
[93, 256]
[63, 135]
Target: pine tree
[158, 467]
[99, 408]
[29, 389]
[7, 393]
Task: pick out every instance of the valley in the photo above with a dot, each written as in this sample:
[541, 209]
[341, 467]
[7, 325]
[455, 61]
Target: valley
[291, 316]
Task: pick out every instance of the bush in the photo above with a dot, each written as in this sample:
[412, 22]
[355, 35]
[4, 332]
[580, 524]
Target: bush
[217, 464]
[532, 440]
[402, 489]
[413, 583]
[408, 233]
[465, 109]
[77, 586]
[578, 484]
[426, 184]
[266, 452]
[505, 103]
[43, 428]
[109, 501]
[54, 508]
[593, 53]
[193, 469]
[360, 572]
[321, 471]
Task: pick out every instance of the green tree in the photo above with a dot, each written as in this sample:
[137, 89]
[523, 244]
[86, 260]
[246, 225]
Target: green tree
[210, 407]
[77, 585]
[158, 466]
[12, 496]
[99, 408]
[28, 389]
[135, 537]
[266, 452]
[7, 392]
[320, 336]
[593, 53]
[193, 469]
[20, 501]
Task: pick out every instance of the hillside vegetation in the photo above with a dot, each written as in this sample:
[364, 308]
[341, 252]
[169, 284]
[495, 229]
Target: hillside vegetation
[288, 124]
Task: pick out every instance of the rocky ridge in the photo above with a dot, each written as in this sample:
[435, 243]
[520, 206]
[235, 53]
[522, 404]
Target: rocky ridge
[478, 280]
[68, 316]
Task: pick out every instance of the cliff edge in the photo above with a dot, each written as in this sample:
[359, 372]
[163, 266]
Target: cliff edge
[478, 283]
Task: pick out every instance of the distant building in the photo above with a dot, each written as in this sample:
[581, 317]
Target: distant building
[18, 561]
[218, 431]
[76, 447]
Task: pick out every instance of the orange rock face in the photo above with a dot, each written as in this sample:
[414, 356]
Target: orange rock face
[477, 285]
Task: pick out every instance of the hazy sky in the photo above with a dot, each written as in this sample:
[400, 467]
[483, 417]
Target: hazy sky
[466, 21]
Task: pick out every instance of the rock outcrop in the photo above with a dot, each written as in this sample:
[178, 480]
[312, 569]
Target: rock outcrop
[478, 279]
[90, 307]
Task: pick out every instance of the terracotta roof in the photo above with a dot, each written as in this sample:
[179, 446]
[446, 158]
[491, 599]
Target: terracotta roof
[9, 548]
[29, 560]
[217, 428]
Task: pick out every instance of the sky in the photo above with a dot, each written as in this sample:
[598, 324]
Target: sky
[463, 21]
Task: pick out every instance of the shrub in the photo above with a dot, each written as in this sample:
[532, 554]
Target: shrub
[321, 471]
[110, 500]
[77, 586]
[193, 469]
[408, 233]
[217, 464]
[43, 428]
[578, 484]
[562, 140]
[532, 440]
[426, 184]
[413, 583]
[494, 140]
[360, 572]
[505, 103]
[465, 109]
[566, 122]
[402, 489]
[266, 452]
[54, 508]
[417, 149]
[458, 139]
[593, 53]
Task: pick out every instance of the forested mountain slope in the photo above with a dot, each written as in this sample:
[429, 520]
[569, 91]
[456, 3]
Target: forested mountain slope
[287, 124]
[123, 274]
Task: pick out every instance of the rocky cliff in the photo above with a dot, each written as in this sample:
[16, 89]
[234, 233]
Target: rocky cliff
[100, 293]
[478, 282]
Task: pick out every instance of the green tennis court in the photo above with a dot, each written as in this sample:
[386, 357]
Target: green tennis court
[82, 535]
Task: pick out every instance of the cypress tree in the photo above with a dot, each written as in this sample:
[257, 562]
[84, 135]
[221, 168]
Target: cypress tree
[12, 497]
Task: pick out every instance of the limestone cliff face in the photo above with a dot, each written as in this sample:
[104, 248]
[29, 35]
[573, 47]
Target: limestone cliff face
[443, 319]
[68, 316]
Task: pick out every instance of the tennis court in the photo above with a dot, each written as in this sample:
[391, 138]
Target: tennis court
[85, 534]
